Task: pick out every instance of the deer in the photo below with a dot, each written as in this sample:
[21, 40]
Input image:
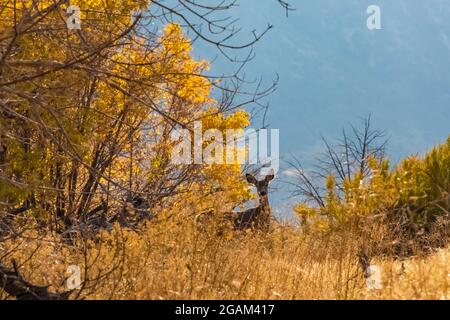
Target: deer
[257, 218]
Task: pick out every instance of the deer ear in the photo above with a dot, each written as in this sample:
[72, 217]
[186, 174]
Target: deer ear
[270, 176]
[251, 179]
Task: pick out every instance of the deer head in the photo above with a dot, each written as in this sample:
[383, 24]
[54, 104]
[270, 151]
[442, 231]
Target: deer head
[262, 186]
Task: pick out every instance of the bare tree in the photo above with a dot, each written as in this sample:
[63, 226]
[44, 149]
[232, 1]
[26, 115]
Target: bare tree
[348, 156]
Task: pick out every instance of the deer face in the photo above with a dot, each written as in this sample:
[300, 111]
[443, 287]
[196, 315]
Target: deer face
[261, 186]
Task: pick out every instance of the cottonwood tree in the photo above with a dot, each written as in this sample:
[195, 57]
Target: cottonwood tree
[87, 114]
[81, 106]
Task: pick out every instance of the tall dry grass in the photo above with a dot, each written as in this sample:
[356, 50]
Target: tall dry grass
[178, 259]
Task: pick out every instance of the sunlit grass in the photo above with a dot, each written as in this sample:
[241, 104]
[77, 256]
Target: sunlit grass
[182, 261]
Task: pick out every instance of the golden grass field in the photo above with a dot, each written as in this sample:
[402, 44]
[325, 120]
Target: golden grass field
[182, 261]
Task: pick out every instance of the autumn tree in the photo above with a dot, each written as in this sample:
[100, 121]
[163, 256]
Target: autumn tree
[87, 114]
[88, 111]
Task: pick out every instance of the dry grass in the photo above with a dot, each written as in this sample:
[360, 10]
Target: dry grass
[179, 261]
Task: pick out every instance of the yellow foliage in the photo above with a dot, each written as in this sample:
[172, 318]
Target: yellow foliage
[414, 181]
